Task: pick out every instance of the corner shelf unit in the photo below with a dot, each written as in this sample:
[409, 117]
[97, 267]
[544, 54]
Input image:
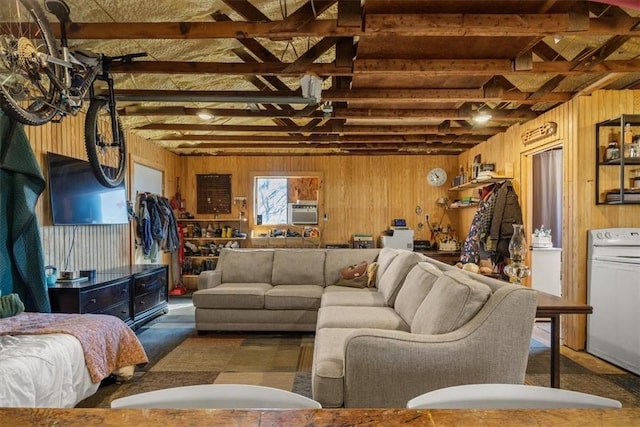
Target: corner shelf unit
[617, 171]
[206, 243]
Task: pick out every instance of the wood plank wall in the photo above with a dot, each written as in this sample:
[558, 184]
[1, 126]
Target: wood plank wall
[576, 134]
[359, 194]
[96, 246]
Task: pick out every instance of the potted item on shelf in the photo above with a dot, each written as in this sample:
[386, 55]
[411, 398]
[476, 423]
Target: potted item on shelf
[541, 238]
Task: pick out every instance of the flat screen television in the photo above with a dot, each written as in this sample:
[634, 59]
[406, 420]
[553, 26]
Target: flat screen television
[77, 198]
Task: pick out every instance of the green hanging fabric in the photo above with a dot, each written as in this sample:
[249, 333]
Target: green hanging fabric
[21, 183]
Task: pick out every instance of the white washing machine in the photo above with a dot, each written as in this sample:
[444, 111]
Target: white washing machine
[613, 330]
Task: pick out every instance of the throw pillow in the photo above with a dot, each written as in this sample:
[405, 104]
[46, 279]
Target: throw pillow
[354, 276]
[353, 271]
[10, 305]
[372, 269]
[356, 282]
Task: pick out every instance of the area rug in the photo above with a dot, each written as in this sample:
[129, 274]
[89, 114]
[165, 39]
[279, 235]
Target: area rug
[179, 357]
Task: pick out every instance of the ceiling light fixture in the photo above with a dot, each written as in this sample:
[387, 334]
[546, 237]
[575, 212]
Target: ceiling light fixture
[205, 115]
[482, 117]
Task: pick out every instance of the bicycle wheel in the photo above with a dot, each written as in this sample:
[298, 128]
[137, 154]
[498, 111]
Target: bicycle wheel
[107, 154]
[26, 92]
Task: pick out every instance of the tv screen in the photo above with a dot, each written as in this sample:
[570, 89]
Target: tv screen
[77, 198]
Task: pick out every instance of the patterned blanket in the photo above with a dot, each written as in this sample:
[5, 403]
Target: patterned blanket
[108, 343]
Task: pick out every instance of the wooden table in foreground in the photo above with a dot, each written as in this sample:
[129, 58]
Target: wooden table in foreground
[317, 417]
[552, 307]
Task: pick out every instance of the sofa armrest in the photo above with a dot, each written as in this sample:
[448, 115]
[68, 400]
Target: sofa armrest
[209, 279]
[386, 368]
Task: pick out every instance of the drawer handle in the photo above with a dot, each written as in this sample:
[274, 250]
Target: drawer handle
[142, 303]
[123, 291]
[93, 300]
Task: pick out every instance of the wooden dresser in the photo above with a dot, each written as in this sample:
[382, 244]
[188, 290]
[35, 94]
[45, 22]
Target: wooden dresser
[135, 294]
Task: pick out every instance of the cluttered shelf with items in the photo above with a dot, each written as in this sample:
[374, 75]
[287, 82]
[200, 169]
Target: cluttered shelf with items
[617, 174]
[286, 236]
[203, 240]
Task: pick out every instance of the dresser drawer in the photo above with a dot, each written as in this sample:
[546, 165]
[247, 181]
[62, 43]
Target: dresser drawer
[150, 300]
[149, 282]
[121, 311]
[97, 299]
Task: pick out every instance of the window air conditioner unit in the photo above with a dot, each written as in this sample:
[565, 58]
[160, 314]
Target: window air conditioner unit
[302, 213]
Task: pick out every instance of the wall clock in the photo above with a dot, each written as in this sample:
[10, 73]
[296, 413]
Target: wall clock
[436, 177]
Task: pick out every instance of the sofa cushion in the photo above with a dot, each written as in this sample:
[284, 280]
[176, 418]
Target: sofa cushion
[298, 267]
[232, 295]
[417, 285]
[384, 259]
[391, 279]
[293, 297]
[360, 317]
[337, 259]
[454, 300]
[365, 298]
[245, 265]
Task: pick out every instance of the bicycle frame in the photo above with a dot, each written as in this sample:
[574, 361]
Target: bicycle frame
[94, 71]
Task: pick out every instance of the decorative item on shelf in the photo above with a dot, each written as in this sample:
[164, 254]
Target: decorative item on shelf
[517, 250]
[541, 238]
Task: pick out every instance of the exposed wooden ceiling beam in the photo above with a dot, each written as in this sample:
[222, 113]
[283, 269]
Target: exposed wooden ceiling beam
[333, 126]
[342, 113]
[518, 114]
[427, 25]
[239, 69]
[486, 67]
[496, 25]
[134, 110]
[360, 139]
[338, 95]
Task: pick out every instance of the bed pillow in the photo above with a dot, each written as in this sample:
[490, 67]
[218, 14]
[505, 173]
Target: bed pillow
[10, 305]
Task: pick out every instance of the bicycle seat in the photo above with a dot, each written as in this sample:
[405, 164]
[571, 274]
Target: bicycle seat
[60, 9]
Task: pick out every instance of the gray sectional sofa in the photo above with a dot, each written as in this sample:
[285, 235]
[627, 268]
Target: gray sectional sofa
[425, 325]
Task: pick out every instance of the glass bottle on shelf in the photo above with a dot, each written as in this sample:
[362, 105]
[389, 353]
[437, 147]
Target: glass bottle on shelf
[628, 140]
[612, 152]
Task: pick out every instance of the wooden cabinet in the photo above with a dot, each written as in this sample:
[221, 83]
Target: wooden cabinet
[107, 296]
[203, 240]
[616, 169]
[150, 293]
[134, 294]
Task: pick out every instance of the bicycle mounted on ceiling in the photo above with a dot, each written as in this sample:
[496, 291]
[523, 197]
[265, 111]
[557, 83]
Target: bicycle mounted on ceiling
[40, 83]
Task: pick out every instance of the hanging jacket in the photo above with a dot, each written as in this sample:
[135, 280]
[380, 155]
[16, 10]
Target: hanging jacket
[507, 212]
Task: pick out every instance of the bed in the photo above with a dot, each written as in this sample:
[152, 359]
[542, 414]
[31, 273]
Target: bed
[57, 360]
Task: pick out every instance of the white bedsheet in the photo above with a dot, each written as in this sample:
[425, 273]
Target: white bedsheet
[43, 371]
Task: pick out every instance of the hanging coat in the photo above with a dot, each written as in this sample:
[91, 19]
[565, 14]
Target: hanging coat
[507, 212]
